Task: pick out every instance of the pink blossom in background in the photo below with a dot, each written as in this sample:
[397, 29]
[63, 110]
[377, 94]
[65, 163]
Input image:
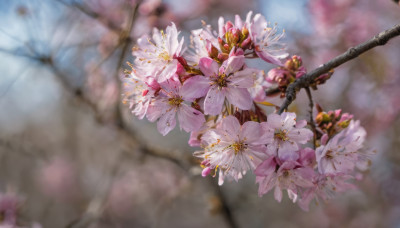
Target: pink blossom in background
[58, 179]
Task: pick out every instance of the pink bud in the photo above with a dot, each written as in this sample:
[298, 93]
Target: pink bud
[206, 171]
[223, 56]
[212, 51]
[246, 43]
[337, 113]
[324, 139]
[228, 25]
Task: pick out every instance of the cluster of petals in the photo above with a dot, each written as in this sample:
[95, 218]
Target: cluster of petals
[214, 94]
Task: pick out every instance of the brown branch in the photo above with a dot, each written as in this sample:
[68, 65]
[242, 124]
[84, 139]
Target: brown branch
[92, 14]
[306, 80]
[125, 40]
[312, 123]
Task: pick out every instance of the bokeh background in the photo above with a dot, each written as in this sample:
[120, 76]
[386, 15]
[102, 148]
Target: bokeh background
[75, 157]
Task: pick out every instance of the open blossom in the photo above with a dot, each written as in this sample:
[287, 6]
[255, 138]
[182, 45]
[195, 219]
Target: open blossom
[157, 56]
[325, 187]
[286, 135]
[171, 103]
[233, 148]
[203, 40]
[138, 92]
[266, 40]
[227, 81]
[341, 153]
[290, 176]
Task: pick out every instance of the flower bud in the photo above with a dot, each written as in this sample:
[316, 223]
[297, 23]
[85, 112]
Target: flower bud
[223, 56]
[222, 43]
[322, 117]
[228, 25]
[212, 51]
[246, 43]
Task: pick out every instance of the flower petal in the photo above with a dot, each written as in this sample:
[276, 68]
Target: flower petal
[233, 64]
[195, 87]
[208, 66]
[231, 126]
[189, 118]
[287, 151]
[239, 97]
[243, 78]
[274, 121]
[166, 123]
[214, 100]
[250, 132]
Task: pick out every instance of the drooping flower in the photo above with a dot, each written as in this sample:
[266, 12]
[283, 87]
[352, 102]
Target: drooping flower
[228, 81]
[341, 153]
[233, 148]
[286, 134]
[171, 103]
[266, 40]
[325, 187]
[157, 56]
[290, 176]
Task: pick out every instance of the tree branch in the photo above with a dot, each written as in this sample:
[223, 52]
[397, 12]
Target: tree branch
[305, 81]
[312, 123]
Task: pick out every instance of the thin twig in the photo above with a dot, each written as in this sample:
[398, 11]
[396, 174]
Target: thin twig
[125, 46]
[312, 123]
[305, 81]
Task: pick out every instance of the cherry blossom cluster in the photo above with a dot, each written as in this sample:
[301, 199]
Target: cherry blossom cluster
[217, 97]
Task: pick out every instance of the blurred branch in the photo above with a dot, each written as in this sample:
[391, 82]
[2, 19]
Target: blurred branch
[94, 15]
[306, 80]
[225, 208]
[125, 46]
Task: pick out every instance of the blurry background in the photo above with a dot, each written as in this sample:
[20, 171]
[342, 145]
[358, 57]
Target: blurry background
[76, 157]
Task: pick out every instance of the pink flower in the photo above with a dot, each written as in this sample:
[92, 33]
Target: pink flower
[257, 92]
[325, 187]
[266, 40]
[201, 39]
[138, 92]
[233, 148]
[171, 102]
[341, 153]
[227, 81]
[157, 56]
[285, 135]
[290, 176]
